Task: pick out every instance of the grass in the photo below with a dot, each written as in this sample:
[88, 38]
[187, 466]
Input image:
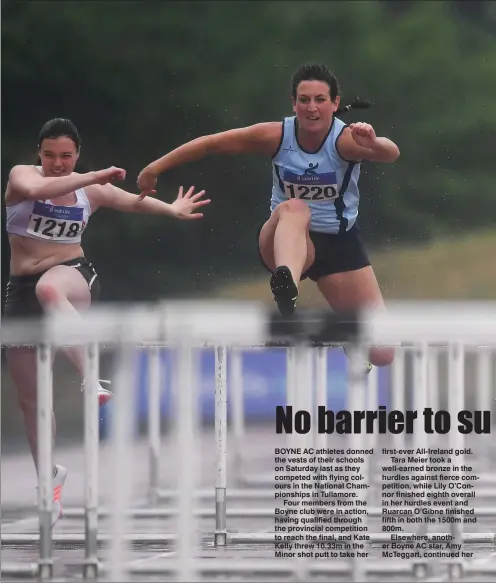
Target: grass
[459, 267]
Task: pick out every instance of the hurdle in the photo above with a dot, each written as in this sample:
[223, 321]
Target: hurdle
[358, 573]
[18, 570]
[423, 370]
[258, 487]
[10, 569]
[484, 398]
[126, 329]
[258, 482]
[186, 326]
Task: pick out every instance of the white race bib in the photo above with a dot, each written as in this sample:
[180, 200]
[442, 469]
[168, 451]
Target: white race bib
[55, 223]
[311, 187]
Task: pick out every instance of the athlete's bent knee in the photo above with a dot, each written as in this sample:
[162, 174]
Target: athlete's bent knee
[47, 294]
[381, 356]
[294, 205]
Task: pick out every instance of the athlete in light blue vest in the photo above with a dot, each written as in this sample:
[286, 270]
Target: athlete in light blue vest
[312, 229]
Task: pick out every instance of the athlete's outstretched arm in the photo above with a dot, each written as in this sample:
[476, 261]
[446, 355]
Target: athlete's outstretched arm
[29, 183]
[259, 138]
[184, 207]
[359, 142]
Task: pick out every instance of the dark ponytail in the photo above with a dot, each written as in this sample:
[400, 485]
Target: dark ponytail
[355, 104]
[315, 72]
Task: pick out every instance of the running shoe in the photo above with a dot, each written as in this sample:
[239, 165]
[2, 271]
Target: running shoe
[367, 365]
[58, 483]
[104, 395]
[284, 290]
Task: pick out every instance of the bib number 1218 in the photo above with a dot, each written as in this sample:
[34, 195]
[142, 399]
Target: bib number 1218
[51, 228]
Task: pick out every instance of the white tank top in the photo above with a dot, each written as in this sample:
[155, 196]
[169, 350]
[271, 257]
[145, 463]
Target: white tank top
[49, 221]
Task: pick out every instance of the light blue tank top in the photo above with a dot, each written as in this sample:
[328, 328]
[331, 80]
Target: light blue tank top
[324, 180]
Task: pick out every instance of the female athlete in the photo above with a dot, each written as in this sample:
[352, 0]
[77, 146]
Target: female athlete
[312, 230]
[48, 209]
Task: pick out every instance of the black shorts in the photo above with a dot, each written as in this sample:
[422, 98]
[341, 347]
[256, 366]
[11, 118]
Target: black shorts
[333, 253]
[21, 300]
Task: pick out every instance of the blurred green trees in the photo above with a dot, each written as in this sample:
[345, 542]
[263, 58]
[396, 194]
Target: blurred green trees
[140, 78]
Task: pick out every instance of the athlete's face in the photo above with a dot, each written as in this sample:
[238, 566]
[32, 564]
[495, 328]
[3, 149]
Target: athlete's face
[313, 106]
[58, 156]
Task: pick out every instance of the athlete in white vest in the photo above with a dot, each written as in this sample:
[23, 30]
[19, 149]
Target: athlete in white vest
[312, 230]
[48, 209]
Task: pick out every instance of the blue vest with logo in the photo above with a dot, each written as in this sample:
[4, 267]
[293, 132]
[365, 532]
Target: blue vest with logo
[324, 180]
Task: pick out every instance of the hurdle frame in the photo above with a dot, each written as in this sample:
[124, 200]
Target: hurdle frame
[49, 339]
[253, 487]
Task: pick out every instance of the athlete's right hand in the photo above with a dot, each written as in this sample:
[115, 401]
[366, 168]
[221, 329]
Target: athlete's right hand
[110, 175]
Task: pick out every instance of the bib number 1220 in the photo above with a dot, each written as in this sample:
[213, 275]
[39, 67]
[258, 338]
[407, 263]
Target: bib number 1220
[311, 192]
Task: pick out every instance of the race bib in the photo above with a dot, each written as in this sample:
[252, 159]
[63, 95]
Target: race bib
[56, 223]
[311, 187]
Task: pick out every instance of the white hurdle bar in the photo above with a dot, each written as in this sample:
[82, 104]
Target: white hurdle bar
[45, 460]
[91, 451]
[154, 402]
[185, 324]
[220, 428]
[10, 569]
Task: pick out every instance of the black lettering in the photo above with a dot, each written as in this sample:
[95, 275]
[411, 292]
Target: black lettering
[330, 192]
[51, 224]
[284, 420]
[304, 190]
[73, 230]
[318, 193]
[481, 422]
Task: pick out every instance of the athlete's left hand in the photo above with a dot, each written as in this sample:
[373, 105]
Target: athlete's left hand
[363, 134]
[185, 204]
